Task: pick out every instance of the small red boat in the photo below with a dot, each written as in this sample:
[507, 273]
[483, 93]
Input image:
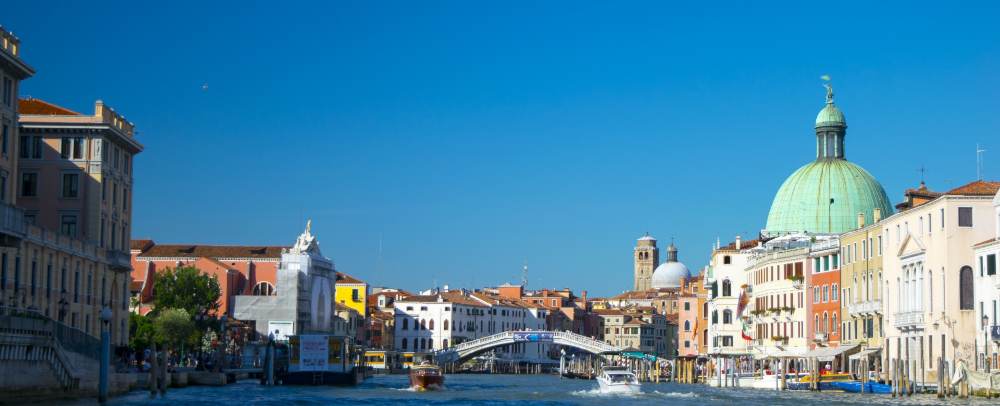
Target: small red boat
[426, 377]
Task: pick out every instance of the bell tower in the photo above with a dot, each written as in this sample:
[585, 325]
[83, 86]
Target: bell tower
[647, 258]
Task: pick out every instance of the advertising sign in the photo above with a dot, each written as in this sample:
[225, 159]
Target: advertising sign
[280, 329]
[314, 351]
[532, 336]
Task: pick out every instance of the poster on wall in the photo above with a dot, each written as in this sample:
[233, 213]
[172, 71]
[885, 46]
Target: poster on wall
[314, 352]
[281, 329]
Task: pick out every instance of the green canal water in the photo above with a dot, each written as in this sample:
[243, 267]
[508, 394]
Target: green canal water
[482, 390]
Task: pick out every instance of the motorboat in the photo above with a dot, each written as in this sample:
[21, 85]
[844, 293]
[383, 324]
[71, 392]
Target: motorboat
[618, 380]
[426, 376]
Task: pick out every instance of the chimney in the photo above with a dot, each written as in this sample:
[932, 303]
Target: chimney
[877, 215]
[861, 220]
[738, 243]
[583, 295]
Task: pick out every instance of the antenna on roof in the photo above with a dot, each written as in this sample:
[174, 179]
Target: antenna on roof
[979, 162]
[922, 170]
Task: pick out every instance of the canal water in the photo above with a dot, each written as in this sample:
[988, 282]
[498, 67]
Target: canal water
[485, 390]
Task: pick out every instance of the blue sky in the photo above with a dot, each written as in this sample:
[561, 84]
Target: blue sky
[470, 137]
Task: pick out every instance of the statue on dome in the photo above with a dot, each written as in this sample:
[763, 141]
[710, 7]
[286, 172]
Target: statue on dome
[829, 93]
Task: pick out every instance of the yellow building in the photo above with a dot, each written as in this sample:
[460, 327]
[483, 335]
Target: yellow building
[860, 273]
[352, 293]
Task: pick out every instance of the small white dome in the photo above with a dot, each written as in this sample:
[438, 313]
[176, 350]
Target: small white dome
[670, 275]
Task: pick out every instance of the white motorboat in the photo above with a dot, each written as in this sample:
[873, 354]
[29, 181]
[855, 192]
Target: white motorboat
[618, 380]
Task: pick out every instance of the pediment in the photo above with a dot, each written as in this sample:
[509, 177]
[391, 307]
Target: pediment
[911, 245]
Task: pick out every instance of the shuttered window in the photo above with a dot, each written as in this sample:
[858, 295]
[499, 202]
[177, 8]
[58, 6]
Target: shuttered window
[965, 217]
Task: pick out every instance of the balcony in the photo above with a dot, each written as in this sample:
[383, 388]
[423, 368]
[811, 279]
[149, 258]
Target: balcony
[909, 320]
[120, 260]
[866, 307]
[12, 225]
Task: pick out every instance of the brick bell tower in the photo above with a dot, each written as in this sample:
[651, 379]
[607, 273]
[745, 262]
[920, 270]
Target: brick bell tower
[647, 258]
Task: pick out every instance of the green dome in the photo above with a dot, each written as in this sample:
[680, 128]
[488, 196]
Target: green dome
[829, 116]
[825, 196]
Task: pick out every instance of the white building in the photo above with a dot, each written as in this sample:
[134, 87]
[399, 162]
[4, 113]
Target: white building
[928, 285]
[425, 323]
[988, 296]
[725, 280]
[775, 274]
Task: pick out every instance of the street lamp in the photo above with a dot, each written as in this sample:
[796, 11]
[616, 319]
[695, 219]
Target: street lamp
[106, 315]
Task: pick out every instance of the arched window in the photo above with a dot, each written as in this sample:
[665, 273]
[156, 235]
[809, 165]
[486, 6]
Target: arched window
[727, 316]
[833, 322]
[423, 324]
[816, 324]
[446, 326]
[430, 344]
[687, 325]
[715, 317]
[263, 289]
[406, 326]
[432, 324]
[404, 343]
[423, 343]
[727, 288]
[966, 289]
[826, 322]
[444, 343]
[704, 337]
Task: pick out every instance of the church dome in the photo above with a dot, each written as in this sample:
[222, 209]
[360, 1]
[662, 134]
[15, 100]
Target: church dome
[671, 273]
[826, 195]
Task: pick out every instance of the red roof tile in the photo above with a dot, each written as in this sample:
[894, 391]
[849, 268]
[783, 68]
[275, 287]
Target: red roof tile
[977, 188]
[345, 278]
[140, 245]
[43, 108]
[213, 251]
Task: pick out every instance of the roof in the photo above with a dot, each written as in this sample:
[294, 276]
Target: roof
[453, 297]
[744, 244]
[347, 279]
[987, 242]
[976, 188]
[213, 251]
[43, 108]
[140, 245]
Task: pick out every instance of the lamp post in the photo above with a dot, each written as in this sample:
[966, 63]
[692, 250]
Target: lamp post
[986, 343]
[102, 395]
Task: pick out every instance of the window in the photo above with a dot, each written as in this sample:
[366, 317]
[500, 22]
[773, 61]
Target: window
[687, 325]
[833, 293]
[816, 294]
[826, 293]
[354, 295]
[446, 326]
[715, 317]
[687, 305]
[406, 326]
[67, 225]
[403, 343]
[965, 217]
[263, 289]
[71, 185]
[4, 134]
[727, 316]
[8, 91]
[71, 148]
[726, 260]
[29, 184]
[966, 288]
[726, 288]
[942, 218]
[991, 266]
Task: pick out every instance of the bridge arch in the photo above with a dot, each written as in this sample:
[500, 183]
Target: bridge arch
[468, 349]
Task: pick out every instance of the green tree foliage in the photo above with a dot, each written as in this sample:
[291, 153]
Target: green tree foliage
[174, 327]
[140, 331]
[185, 288]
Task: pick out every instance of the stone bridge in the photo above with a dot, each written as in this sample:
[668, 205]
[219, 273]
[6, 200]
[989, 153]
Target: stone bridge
[468, 349]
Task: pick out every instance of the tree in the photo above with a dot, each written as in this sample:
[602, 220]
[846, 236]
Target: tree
[174, 327]
[186, 288]
[140, 331]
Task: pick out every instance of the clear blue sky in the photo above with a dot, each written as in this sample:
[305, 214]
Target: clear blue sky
[472, 137]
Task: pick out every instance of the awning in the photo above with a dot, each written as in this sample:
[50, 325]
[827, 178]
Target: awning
[865, 353]
[769, 352]
[828, 353]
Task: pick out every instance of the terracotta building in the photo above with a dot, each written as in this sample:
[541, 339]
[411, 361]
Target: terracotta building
[240, 270]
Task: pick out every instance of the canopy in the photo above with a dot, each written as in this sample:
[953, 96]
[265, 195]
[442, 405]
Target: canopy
[828, 353]
[865, 353]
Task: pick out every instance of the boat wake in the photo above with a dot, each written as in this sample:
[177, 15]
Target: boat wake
[597, 392]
